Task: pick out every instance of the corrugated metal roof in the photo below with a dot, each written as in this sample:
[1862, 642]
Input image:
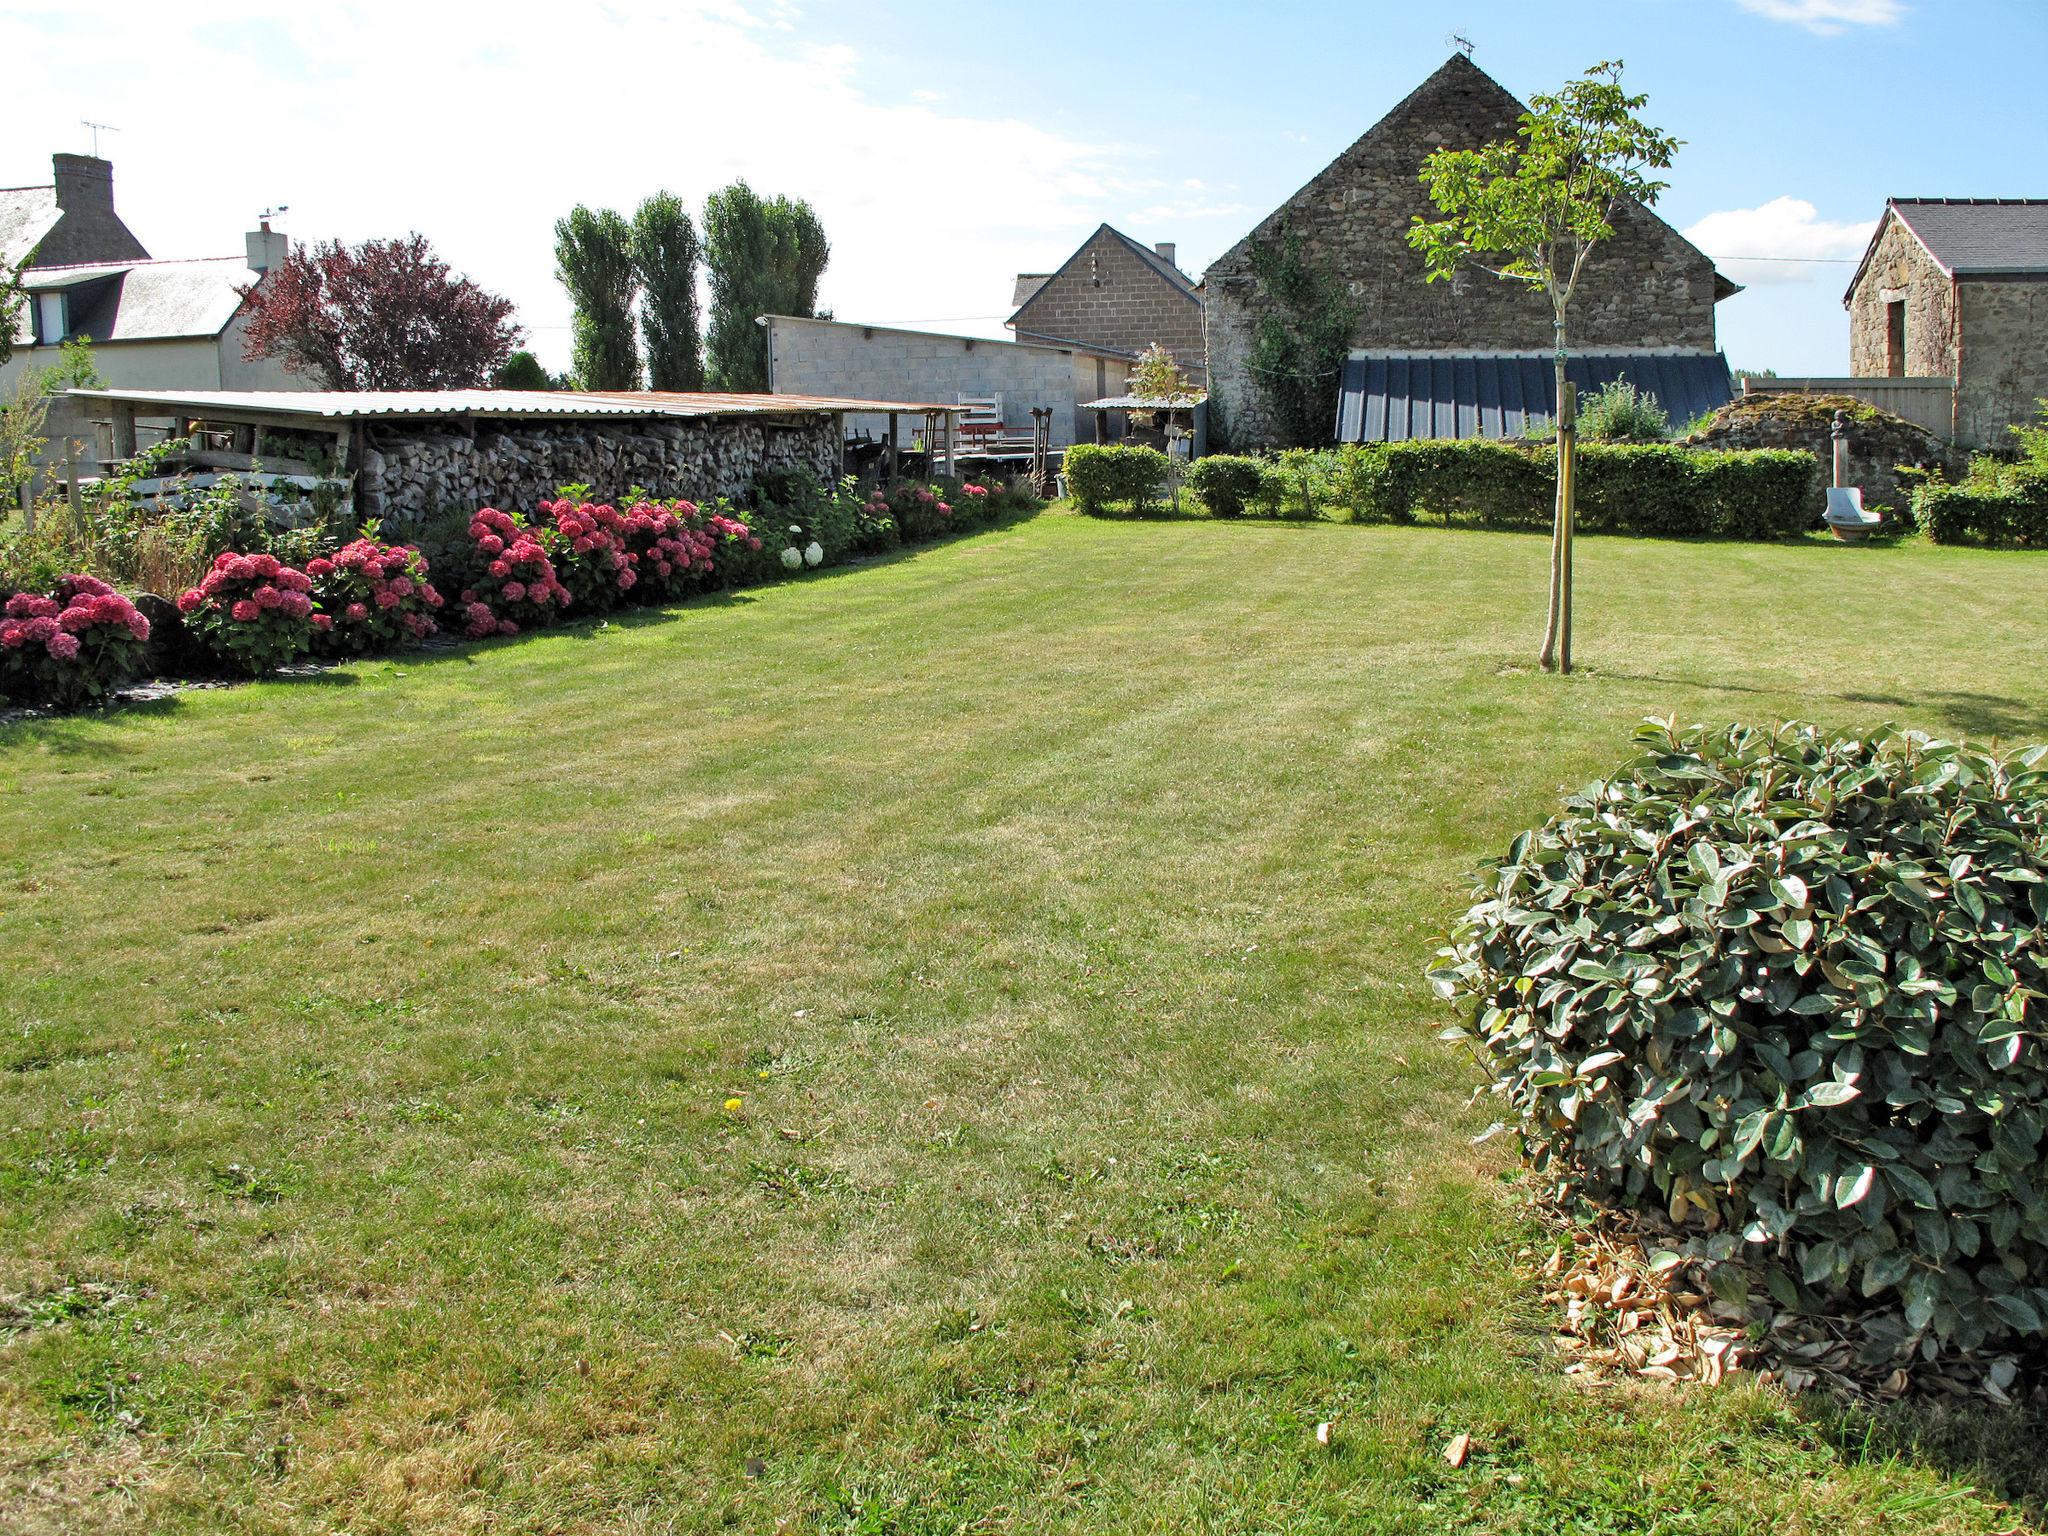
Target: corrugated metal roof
[1141, 403]
[1394, 397]
[1980, 235]
[26, 215]
[350, 405]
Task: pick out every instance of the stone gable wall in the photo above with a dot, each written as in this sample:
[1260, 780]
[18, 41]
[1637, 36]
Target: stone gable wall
[410, 472]
[2002, 372]
[1647, 288]
[1900, 264]
[1110, 296]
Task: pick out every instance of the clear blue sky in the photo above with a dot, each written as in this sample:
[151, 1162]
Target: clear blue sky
[949, 146]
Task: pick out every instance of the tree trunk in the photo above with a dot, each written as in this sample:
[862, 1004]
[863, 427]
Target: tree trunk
[1567, 516]
[1547, 657]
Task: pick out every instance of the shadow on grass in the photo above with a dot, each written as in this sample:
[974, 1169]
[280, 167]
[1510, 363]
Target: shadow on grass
[1995, 1450]
[1974, 714]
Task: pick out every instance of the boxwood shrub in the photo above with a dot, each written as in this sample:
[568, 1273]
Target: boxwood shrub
[1102, 476]
[1787, 988]
[1225, 482]
[2008, 509]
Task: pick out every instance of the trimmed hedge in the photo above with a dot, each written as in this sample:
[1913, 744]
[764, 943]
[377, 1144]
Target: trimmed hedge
[1653, 489]
[1225, 482]
[2013, 511]
[1782, 986]
[1661, 490]
[1101, 476]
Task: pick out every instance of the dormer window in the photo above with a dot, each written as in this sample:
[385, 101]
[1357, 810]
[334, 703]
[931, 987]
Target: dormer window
[50, 319]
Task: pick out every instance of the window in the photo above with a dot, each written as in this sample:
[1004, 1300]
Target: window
[1895, 339]
[49, 319]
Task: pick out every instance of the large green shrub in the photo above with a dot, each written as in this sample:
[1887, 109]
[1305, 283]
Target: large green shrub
[2008, 508]
[1787, 987]
[1101, 476]
[1618, 412]
[1225, 482]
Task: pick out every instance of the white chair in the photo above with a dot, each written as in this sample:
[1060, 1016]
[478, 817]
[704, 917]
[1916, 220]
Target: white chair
[1845, 516]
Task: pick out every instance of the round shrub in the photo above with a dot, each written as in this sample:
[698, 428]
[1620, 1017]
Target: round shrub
[588, 549]
[371, 597]
[1786, 987]
[671, 555]
[71, 646]
[515, 587]
[1225, 482]
[251, 612]
[1105, 475]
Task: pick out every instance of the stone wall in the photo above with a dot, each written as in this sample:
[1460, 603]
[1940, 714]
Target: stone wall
[1879, 442]
[2002, 371]
[413, 470]
[1900, 268]
[1111, 296]
[1647, 288]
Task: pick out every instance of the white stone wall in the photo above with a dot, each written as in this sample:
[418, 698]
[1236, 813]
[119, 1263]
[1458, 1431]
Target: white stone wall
[827, 357]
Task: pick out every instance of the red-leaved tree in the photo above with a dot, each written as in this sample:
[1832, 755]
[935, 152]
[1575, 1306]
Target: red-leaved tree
[386, 314]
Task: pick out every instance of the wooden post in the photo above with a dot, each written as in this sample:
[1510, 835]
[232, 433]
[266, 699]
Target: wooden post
[889, 451]
[124, 431]
[74, 492]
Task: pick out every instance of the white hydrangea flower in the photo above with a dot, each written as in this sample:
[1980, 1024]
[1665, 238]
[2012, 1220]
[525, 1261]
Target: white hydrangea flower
[792, 557]
[814, 553]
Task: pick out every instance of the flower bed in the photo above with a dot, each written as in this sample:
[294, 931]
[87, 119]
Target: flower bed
[371, 597]
[71, 646]
[252, 612]
[517, 587]
[588, 548]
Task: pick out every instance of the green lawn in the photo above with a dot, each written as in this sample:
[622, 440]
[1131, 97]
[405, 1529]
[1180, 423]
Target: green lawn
[1056, 901]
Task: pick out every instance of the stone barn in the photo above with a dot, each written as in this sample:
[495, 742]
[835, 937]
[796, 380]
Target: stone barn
[1114, 294]
[1649, 293]
[406, 456]
[1956, 288]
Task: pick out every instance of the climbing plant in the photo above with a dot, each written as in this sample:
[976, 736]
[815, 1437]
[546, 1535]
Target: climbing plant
[1306, 319]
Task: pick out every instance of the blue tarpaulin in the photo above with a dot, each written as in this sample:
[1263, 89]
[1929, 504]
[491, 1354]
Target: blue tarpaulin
[1390, 397]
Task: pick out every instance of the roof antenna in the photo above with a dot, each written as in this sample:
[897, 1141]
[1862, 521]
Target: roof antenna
[270, 213]
[1462, 43]
[97, 130]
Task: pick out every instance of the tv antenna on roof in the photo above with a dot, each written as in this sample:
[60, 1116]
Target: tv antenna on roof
[97, 130]
[1462, 43]
[270, 213]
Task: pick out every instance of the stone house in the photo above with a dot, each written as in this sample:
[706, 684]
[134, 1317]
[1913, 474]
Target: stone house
[152, 324]
[1957, 288]
[1647, 291]
[844, 358]
[1117, 296]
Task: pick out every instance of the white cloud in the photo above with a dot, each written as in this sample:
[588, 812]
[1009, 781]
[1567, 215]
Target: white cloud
[1796, 245]
[374, 118]
[1829, 17]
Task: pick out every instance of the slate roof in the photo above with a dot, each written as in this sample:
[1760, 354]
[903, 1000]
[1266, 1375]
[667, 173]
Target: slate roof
[1392, 397]
[26, 215]
[148, 300]
[1980, 236]
[1028, 283]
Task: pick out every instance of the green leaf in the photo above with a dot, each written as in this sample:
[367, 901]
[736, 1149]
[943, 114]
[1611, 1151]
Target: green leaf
[1852, 1187]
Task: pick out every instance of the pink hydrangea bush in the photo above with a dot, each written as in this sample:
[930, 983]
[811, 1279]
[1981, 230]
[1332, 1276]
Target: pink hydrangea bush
[921, 511]
[971, 505]
[253, 612]
[369, 597]
[71, 646]
[515, 586]
[589, 550]
[671, 553]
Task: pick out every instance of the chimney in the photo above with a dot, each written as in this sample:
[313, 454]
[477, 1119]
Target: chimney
[267, 247]
[1164, 250]
[84, 183]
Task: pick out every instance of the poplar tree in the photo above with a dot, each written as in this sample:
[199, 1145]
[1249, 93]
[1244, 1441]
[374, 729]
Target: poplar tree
[665, 258]
[594, 261]
[765, 256]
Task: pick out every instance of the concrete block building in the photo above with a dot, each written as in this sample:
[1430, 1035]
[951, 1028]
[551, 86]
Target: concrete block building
[1115, 295]
[1649, 291]
[836, 357]
[1956, 289]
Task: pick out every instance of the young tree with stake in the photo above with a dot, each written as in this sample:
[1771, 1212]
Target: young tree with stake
[1532, 210]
